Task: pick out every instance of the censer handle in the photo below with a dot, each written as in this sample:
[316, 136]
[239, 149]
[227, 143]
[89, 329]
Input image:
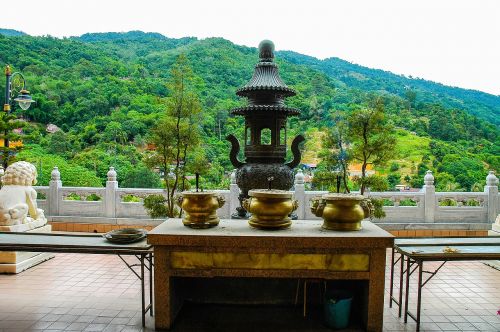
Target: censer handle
[179, 199]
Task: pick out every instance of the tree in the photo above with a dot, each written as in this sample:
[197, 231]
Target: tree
[176, 135]
[59, 143]
[393, 179]
[114, 133]
[371, 137]
[9, 123]
[410, 96]
[141, 177]
[394, 167]
[335, 155]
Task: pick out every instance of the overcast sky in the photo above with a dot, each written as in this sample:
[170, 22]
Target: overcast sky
[449, 41]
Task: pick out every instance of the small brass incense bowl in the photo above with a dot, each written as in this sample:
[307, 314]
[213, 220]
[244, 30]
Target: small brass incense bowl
[270, 208]
[200, 208]
[341, 212]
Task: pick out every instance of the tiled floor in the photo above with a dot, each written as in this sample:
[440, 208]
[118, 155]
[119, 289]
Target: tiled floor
[98, 293]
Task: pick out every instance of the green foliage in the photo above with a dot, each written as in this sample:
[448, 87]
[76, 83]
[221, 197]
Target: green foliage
[93, 198]
[59, 143]
[73, 197]
[71, 173]
[141, 177]
[394, 167]
[374, 182]
[466, 170]
[378, 211]
[371, 137]
[130, 199]
[107, 91]
[335, 155]
[156, 206]
[8, 123]
[448, 202]
[176, 135]
[387, 202]
[325, 180]
[407, 202]
[393, 179]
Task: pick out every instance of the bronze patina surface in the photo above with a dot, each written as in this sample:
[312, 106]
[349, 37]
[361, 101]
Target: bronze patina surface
[265, 130]
[200, 208]
[340, 212]
[270, 208]
[329, 262]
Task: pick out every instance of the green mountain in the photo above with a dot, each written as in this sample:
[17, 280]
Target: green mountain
[11, 32]
[105, 91]
[480, 104]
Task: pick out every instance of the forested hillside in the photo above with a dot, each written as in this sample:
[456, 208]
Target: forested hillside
[105, 91]
[481, 104]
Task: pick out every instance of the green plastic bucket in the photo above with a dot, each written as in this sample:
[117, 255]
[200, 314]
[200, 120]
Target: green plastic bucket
[337, 309]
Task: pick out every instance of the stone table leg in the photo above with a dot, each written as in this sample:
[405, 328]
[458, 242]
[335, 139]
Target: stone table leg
[163, 320]
[376, 291]
[168, 301]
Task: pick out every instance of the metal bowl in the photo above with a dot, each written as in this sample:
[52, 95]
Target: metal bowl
[125, 235]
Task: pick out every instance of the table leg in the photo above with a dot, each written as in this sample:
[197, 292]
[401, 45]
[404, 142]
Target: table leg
[419, 294]
[391, 287]
[407, 288]
[375, 315]
[151, 284]
[401, 275]
[143, 302]
[164, 292]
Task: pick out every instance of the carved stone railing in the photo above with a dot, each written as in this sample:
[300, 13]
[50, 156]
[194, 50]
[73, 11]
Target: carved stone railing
[425, 207]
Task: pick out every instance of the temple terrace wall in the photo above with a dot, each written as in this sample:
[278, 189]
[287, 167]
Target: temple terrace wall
[422, 213]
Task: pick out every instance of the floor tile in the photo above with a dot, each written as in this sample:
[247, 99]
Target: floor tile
[98, 293]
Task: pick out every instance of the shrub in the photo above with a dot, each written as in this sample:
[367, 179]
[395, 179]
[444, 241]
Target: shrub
[156, 206]
[93, 198]
[130, 199]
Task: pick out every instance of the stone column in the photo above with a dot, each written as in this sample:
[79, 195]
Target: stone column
[54, 196]
[110, 197]
[491, 189]
[430, 197]
[234, 192]
[300, 194]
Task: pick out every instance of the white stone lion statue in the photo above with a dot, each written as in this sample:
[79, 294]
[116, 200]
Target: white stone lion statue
[17, 196]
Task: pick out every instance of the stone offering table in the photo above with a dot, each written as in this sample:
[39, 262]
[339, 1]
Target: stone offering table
[235, 250]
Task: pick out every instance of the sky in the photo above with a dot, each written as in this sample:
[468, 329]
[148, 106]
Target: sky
[454, 42]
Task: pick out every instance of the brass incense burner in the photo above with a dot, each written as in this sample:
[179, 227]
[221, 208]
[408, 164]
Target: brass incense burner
[341, 212]
[270, 209]
[200, 208]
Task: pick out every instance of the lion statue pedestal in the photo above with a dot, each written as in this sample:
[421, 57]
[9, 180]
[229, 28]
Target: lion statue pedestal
[19, 213]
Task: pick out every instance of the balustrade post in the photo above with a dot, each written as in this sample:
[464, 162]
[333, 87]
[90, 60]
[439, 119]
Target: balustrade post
[429, 191]
[491, 189]
[110, 196]
[54, 195]
[234, 192]
[300, 194]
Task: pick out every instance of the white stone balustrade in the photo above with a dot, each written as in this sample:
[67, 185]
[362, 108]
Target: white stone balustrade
[426, 208]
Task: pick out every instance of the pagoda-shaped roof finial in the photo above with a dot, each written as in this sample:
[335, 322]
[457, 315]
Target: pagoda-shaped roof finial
[266, 51]
[266, 78]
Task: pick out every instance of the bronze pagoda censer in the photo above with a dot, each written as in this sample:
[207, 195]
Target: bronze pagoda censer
[265, 131]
